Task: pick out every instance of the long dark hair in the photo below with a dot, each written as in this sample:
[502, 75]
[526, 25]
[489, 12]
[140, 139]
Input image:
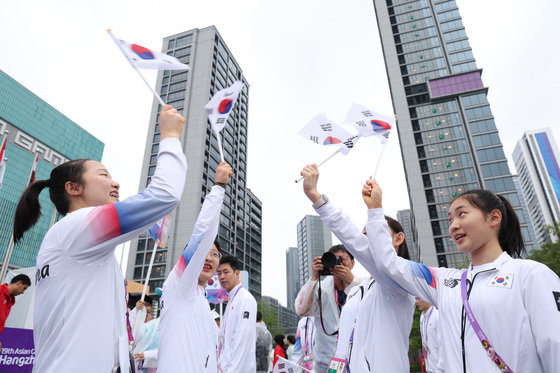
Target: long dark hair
[509, 235]
[396, 227]
[28, 209]
[279, 339]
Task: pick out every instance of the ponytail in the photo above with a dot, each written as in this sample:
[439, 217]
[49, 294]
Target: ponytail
[396, 227]
[28, 209]
[510, 237]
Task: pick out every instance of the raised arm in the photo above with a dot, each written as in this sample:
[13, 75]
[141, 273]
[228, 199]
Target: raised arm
[205, 230]
[305, 303]
[344, 229]
[416, 278]
[108, 225]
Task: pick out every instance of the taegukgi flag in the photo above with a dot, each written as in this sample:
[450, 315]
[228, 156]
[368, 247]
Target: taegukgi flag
[158, 231]
[145, 58]
[369, 123]
[286, 366]
[215, 293]
[221, 104]
[321, 130]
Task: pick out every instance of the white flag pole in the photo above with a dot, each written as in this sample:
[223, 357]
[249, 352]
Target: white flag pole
[220, 148]
[146, 282]
[324, 161]
[135, 68]
[378, 161]
[381, 154]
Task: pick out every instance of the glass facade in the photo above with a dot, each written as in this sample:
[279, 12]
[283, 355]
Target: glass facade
[240, 231]
[446, 128]
[314, 238]
[32, 127]
[292, 276]
[536, 159]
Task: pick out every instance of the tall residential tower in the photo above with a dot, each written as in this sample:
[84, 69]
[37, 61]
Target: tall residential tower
[314, 238]
[449, 141]
[536, 158]
[213, 68]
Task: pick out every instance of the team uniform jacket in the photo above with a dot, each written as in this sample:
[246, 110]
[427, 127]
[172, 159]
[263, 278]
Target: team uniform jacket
[188, 332]
[325, 345]
[348, 320]
[80, 308]
[516, 303]
[239, 333]
[304, 339]
[431, 341]
[384, 320]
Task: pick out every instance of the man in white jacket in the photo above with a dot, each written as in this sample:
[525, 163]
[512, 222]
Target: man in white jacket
[238, 337]
[431, 341]
[334, 291]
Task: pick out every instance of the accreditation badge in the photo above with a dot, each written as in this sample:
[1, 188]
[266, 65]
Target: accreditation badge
[337, 365]
[307, 362]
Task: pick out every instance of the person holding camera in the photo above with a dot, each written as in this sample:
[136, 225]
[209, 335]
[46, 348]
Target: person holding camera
[324, 300]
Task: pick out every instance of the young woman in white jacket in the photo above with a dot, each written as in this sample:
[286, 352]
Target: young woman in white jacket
[516, 302]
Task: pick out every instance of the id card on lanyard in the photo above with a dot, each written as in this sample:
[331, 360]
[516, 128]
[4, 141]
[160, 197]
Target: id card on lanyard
[337, 365]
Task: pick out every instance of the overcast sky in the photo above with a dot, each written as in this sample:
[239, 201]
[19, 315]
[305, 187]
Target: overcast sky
[300, 57]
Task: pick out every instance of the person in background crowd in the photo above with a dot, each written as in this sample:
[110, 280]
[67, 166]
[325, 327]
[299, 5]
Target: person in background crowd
[263, 345]
[279, 349]
[9, 292]
[236, 351]
[431, 341]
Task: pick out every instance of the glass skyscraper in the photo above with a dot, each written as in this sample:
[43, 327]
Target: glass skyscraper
[213, 68]
[536, 158]
[292, 276]
[32, 127]
[448, 137]
[314, 238]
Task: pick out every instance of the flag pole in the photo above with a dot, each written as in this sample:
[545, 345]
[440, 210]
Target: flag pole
[220, 148]
[146, 282]
[381, 154]
[10, 249]
[378, 161]
[329, 157]
[135, 68]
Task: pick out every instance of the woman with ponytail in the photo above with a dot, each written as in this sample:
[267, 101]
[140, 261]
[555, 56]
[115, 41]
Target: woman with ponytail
[498, 315]
[80, 321]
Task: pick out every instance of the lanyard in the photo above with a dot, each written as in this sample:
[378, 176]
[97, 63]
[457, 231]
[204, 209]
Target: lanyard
[128, 327]
[478, 330]
[426, 323]
[223, 338]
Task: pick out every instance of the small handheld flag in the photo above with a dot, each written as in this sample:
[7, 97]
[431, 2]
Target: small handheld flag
[140, 57]
[145, 58]
[286, 366]
[215, 293]
[158, 231]
[221, 104]
[369, 123]
[219, 107]
[323, 131]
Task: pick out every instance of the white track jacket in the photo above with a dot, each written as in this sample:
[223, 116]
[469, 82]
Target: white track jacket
[80, 308]
[385, 313]
[188, 334]
[516, 303]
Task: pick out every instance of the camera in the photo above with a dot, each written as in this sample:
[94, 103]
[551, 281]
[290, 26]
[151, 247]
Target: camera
[329, 260]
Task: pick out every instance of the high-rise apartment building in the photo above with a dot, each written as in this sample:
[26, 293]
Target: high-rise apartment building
[313, 238]
[449, 141]
[536, 159]
[32, 127]
[405, 218]
[292, 276]
[213, 68]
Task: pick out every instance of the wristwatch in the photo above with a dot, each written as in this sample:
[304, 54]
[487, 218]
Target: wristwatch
[320, 202]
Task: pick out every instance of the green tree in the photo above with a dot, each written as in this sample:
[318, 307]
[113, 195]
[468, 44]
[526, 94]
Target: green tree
[415, 342]
[270, 318]
[549, 253]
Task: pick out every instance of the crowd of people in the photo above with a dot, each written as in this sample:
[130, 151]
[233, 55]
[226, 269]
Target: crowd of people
[501, 314]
